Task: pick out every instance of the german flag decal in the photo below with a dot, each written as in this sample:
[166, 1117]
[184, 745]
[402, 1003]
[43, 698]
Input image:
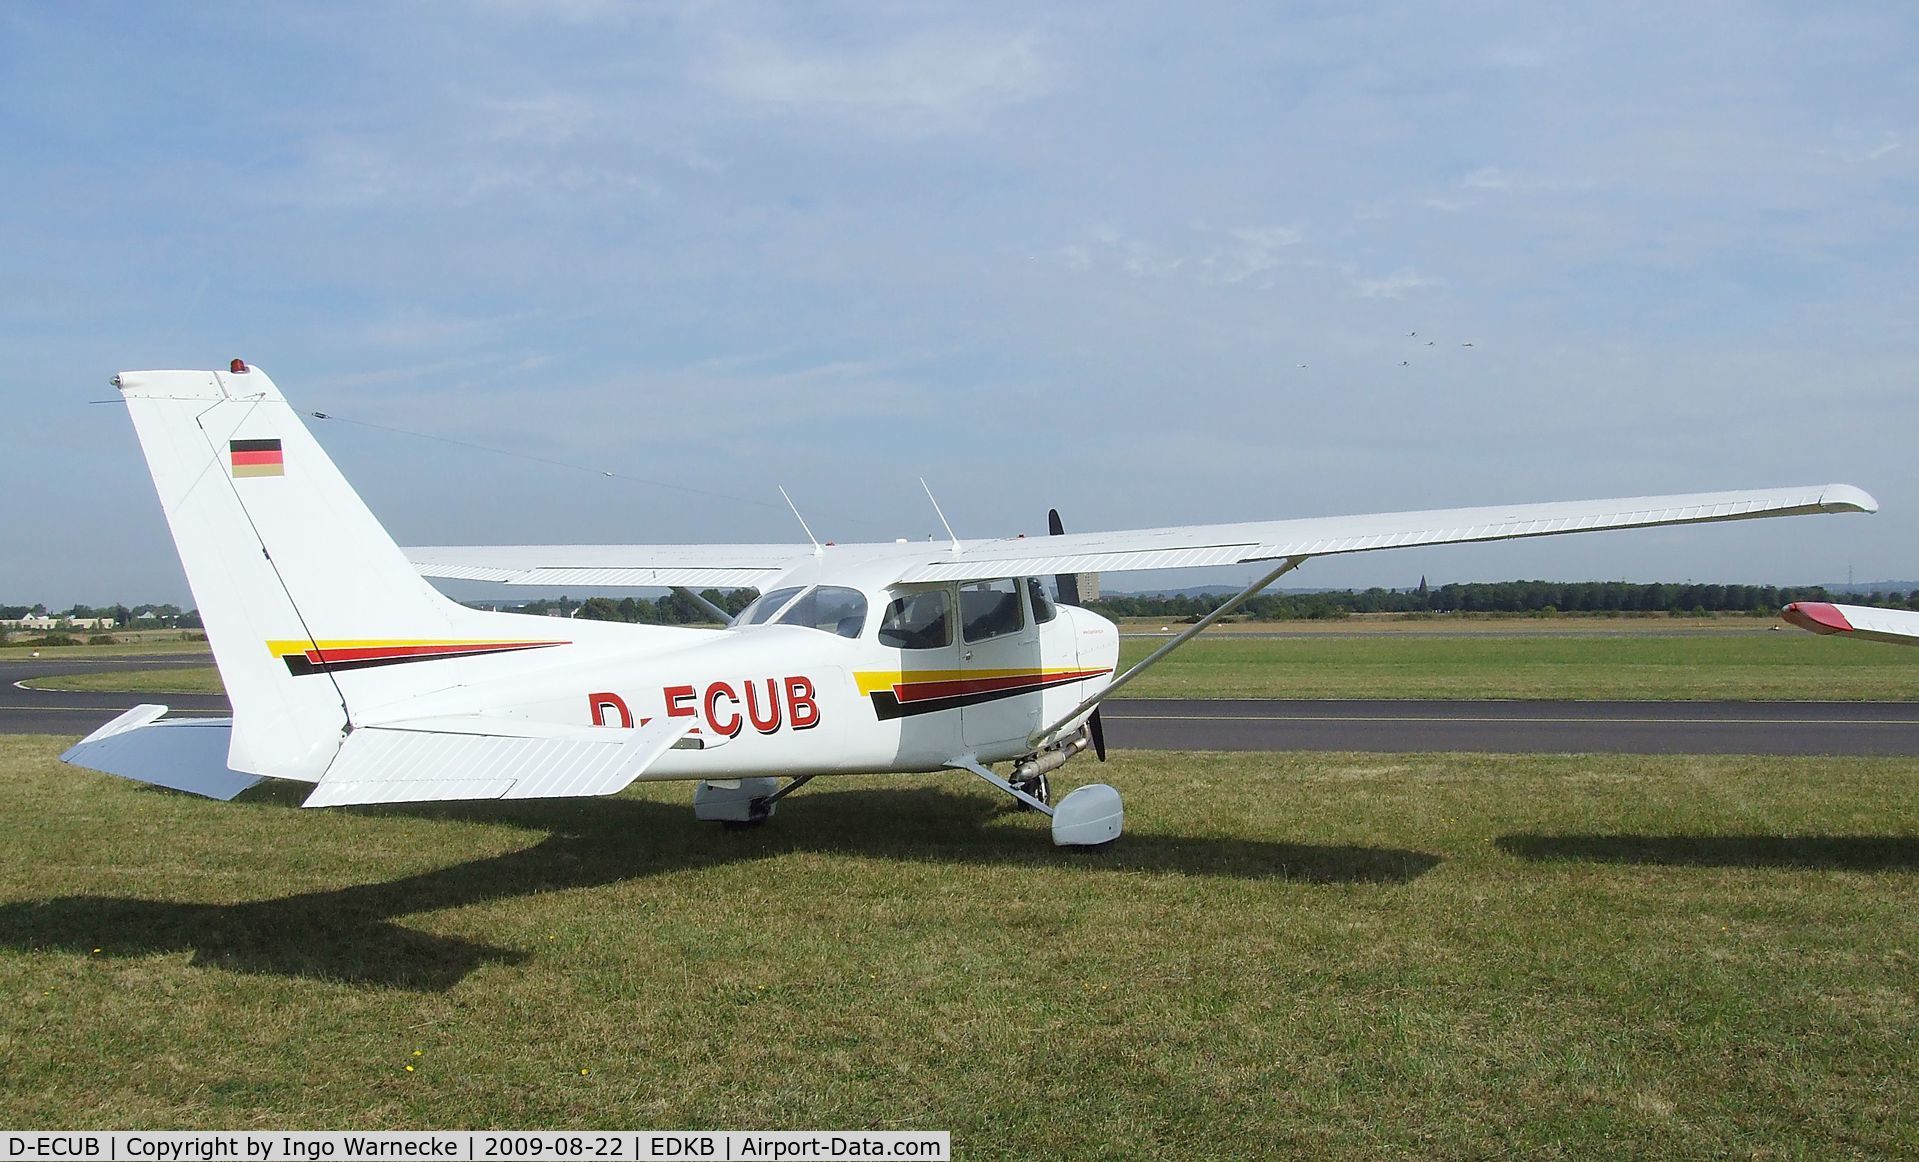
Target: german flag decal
[256, 458]
[311, 657]
[904, 694]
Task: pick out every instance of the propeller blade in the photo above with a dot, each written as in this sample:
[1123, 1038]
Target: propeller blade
[1067, 583]
[1099, 736]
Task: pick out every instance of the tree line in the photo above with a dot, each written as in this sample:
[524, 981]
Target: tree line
[124, 616]
[1539, 597]
[673, 609]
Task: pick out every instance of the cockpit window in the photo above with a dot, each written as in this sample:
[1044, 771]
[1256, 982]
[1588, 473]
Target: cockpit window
[990, 609]
[919, 621]
[1043, 608]
[830, 608]
[766, 607]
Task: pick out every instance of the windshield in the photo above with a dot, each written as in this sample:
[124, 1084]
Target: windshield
[829, 608]
[766, 606]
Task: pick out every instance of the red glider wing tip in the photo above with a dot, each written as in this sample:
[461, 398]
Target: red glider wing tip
[1817, 616]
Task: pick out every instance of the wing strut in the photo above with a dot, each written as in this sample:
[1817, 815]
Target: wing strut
[1042, 737]
[712, 610]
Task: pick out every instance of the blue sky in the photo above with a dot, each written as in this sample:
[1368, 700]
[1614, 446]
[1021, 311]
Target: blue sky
[1066, 256]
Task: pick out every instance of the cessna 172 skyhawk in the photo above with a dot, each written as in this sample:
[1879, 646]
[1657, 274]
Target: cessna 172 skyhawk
[348, 671]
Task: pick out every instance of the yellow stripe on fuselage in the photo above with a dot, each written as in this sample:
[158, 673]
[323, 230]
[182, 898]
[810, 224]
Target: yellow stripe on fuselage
[871, 680]
[281, 649]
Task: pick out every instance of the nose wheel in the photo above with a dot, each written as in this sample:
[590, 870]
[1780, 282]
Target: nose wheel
[1035, 788]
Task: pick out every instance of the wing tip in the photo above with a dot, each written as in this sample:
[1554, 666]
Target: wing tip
[1846, 498]
[1818, 616]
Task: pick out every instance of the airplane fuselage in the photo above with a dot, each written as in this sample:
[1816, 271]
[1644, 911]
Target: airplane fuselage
[792, 699]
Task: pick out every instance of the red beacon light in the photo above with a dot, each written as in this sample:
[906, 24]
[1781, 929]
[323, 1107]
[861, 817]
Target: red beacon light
[238, 367]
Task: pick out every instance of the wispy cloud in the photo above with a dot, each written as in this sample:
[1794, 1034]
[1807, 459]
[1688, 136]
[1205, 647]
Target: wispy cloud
[924, 82]
[1852, 148]
[1396, 285]
[1224, 257]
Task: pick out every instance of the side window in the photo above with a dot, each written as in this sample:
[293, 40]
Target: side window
[1043, 608]
[919, 621]
[829, 608]
[990, 609]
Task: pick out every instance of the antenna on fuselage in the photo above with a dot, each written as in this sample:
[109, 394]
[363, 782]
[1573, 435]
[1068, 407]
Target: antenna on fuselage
[942, 515]
[817, 550]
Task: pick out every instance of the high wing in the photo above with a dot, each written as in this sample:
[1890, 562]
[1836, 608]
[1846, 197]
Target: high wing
[1899, 626]
[692, 566]
[1185, 546]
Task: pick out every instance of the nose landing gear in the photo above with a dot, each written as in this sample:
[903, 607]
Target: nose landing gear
[1089, 818]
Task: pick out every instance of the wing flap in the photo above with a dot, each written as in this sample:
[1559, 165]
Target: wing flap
[693, 566]
[476, 757]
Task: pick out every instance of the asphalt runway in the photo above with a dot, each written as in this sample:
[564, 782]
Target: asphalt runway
[1378, 725]
[1770, 728]
[58, 712]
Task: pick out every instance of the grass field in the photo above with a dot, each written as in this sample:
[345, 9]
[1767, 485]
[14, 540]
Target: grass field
[1512, 658]
[1307, 955]
[1549, 663]
[132, 647]
[173, 680]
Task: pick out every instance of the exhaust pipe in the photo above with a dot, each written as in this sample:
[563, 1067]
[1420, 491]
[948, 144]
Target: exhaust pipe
[1051, 760]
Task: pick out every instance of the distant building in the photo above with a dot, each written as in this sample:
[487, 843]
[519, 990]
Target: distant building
[46, 622]
[1088, 586]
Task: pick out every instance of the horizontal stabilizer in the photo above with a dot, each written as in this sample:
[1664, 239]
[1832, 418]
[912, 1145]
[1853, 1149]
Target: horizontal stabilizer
[477, 757]
[185, 754]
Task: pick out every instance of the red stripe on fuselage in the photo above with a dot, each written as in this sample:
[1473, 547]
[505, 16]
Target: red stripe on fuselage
[381, 653]
[924, 691]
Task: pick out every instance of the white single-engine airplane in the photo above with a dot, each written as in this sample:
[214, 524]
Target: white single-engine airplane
[346, 670]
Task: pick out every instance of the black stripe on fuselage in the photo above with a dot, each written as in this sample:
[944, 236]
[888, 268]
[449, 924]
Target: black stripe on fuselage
[887, 704]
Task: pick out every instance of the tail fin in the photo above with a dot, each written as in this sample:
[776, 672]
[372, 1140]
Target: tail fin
[309, 605]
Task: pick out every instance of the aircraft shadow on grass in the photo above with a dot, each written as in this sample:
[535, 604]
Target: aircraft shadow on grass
[349, 934]
[1866, 853]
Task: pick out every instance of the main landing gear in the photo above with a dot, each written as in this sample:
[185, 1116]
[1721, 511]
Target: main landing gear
[738, 804]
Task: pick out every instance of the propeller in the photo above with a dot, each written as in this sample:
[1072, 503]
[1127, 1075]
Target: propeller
[1068, 584]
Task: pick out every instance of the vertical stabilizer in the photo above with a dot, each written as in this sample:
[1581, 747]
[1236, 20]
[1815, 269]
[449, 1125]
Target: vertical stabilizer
[314, 615]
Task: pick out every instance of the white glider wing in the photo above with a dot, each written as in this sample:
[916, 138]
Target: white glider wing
[1899, 626]
[1185, 546]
